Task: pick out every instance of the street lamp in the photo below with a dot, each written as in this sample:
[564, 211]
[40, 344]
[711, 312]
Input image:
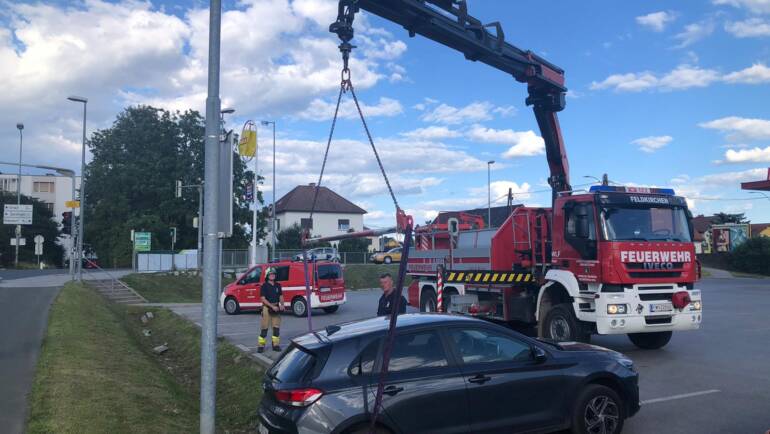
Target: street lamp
[81, 225]
[489, 192]
[272, 213]
[20, 127]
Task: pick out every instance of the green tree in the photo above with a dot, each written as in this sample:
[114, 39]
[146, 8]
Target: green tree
[130, 183]
[753, 256]
[42, 224]
[722, 218]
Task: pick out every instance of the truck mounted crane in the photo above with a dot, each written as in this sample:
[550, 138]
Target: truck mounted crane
[610, 260]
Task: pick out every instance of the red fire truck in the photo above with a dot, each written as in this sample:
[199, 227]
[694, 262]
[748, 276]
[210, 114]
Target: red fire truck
[609, 260]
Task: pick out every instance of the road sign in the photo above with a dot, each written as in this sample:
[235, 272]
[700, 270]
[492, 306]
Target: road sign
[143, 241]
[72, 204]
[39, 239]
[17, 214]
[39, 249]
[22, 241]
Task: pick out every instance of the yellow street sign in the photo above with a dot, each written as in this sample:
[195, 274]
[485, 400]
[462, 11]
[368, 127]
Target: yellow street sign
[247, 146]
[72, 204]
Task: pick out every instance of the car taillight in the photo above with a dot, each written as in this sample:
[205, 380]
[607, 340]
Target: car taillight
[298, 397]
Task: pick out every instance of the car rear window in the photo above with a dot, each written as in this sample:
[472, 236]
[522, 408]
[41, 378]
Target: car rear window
[329, 271]
[293, 367]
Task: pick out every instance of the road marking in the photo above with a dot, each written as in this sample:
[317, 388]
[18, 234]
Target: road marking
[682, 396]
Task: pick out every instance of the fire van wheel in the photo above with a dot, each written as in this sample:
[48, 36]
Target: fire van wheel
[428, 301]
[650, 341]
[387, 260]
[561, 325]
[331, 309]
[231, 306]
[299, 307]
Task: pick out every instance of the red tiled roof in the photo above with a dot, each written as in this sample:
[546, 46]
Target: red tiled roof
[300, 198]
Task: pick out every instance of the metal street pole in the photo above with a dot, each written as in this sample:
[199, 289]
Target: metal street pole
[255, 192]
[81, 225]
[272, 211]
[210, 225]
[200, 227]
[489, 192]
[20, 126]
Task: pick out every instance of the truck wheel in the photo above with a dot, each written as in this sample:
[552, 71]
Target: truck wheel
[599, 409]
[428, 301]
[561, 325]
[650, 341]
[299, 307]
[387, 260]
[331, 309]
[231, 306]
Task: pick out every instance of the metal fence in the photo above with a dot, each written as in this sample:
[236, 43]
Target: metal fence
[149, 262]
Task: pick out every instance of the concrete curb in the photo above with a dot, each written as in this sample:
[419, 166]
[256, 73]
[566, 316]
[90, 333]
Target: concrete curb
[259, 358]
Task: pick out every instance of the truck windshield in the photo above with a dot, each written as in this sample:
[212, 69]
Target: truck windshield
[645, 224]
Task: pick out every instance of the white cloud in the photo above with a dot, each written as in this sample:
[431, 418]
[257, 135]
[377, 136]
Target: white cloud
[447, 114]
[506, 111]
[693, 33]
[652, 143]
[750, 28]
[756, 74]
[735, 178]
[433, 132]
[656, 21]
[682, 77]
[754, 155]
[737, 128]
[320, 110]
[755, 6]
[522, 143]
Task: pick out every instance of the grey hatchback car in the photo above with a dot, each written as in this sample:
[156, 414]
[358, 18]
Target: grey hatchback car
[447, 374]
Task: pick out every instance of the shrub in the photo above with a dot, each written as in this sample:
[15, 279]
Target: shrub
[753, 256]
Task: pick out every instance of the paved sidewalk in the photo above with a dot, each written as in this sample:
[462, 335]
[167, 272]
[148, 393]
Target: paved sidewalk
[56, 280]
[716, 273]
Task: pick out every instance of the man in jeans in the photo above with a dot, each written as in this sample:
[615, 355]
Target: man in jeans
[272, 305]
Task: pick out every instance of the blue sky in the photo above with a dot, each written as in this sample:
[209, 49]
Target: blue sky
[661, 93]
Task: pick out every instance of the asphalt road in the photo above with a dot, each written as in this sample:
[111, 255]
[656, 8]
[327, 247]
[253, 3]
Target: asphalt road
[714, 380]
[23, 319]
[6, 274]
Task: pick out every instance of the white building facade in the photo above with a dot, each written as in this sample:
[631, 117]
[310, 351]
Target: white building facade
[52, 190]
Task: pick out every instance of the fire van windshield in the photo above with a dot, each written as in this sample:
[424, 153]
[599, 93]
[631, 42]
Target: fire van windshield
[638, 223]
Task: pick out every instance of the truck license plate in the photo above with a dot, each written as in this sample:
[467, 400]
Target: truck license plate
[661, 307]
[331, 297]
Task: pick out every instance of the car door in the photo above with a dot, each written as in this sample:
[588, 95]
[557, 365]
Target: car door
[508, 390]
[249, 289]
[424, 392]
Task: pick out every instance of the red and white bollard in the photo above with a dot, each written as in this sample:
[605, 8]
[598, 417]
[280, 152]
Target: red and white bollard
[440, 289]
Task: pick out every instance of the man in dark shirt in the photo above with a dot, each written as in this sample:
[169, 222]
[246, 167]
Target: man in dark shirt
[389, 297]
[271, 296]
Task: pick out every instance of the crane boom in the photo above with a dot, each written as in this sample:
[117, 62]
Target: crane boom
[448, 23]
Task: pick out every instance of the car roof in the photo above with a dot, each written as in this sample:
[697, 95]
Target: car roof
[354, 329]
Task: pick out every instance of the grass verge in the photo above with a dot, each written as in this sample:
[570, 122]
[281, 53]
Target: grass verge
[363, 276]
[97, 372]
[167, 288]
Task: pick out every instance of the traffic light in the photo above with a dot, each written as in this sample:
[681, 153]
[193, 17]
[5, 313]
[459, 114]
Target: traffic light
[66, 221]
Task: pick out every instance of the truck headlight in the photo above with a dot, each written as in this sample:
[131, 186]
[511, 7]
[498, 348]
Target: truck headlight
[614, 309]
[695, 305]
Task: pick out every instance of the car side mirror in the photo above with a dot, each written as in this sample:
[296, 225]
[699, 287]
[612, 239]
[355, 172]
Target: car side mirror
[538, 354]
[242, 281]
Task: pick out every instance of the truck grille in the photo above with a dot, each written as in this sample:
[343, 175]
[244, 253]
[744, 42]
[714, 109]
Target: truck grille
[640, 266]
[659, 296]
[654, 274]
[652, 320]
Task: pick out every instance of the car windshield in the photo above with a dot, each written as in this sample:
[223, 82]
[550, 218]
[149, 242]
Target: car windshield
[645, 224]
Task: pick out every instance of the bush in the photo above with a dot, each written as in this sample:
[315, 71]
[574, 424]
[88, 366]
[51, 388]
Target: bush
[753, 256]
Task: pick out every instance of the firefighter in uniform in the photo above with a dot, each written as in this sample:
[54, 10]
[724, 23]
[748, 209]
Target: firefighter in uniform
[272, 305]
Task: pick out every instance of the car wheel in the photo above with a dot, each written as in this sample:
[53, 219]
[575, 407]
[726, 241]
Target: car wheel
[299, 307]
[331, 309]
[561, 325]
[650, 341]
[599, 409]
[231, 306]
[428, 301]
[387, 260]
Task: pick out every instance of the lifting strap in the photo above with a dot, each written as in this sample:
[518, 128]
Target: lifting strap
[346, 85]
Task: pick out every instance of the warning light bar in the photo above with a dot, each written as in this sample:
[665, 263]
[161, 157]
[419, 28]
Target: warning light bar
[641, 190]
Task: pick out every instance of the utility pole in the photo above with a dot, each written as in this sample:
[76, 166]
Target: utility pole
[489, 192]
[272, 211]
[81, 225]
[210, 226]
[20, 126]
[255, 193]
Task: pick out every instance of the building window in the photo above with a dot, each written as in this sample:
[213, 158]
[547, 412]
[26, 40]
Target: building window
[8, 184]
[343, 224]
[306, 223]
[48, 206]
[43, 187]
[277, 225]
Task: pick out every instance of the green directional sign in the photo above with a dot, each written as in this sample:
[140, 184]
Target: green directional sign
[142, 241]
